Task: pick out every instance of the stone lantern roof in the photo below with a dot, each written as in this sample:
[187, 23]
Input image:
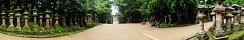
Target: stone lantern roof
[219, 9]
[201, 7]
[48, 11]
[229, 10]
[56, 16]
[3, 13]
[235, 5]
[242, 11]
[25, 13]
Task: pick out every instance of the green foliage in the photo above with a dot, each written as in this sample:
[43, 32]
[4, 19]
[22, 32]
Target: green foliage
[58, 28]
[163, 25]
[168, 11]
[10, 28]
[26, 29]
[36, 28]
[229, 2]
[90, 24]
[235, 35]
[4, 27]
[18, 28]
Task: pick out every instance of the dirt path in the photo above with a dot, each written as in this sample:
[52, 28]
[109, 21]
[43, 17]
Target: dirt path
[124, 32]
[102, 32]
[175, 33]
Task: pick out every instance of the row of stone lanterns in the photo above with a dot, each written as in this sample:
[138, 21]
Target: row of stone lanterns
[230, 14]
[26, 17]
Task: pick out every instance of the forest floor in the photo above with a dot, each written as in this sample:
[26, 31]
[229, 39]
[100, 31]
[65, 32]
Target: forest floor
[131, 31]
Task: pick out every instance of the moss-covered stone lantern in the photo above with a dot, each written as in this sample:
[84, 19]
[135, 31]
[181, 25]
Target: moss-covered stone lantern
[242, 15]
[26, 27]
[228, 17]
[11, 18]
[236, 13]
[219, 9]
[48, 27]
[201, 16]
[3, 26]
[18, 26]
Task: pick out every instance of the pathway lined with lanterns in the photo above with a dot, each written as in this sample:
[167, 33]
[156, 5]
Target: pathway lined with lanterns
[131, 31]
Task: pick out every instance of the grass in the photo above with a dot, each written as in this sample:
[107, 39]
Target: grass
[209, 34]
[235, 35]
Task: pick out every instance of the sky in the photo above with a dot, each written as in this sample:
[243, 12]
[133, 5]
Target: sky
[114, 8]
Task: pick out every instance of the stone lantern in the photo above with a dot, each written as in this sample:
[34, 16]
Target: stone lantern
[26, 27]
[40, 20]
[219, 9]
[201, 16]
[228, 18]
[235, 13]
[242, 15]
[56, 18]
[11, 26]
[18, 27]
[214, 18]
[48, 20]
[3, 20]
[35, 15]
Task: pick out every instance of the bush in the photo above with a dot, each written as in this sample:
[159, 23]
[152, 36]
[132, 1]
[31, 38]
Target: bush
[10, 28]
[163, 25]
[26, 29]
[90, 24]
[36, 28]
[18, 28]
[58, 28]
[4, 27]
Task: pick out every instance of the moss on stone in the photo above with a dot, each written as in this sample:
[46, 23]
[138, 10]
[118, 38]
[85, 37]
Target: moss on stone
[10, 28]
[18, 28]
[26, 29]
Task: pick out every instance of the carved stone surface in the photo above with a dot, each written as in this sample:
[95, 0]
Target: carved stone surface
[219, 9]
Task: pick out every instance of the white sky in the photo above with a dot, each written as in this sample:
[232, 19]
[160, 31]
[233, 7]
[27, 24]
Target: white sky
[114, 8]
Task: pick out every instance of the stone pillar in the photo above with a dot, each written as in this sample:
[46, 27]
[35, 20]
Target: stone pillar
[228, 18]
[3, 26]
[48, 20]
[64, 21]
[201, 17]
[214, 19]
[18, 27]
[40, 20]
[26, 18]
[35, 17]
[219, 9]
[56, 19]
[26, 27]
[242, 16]
[11, 26]
[235, 13]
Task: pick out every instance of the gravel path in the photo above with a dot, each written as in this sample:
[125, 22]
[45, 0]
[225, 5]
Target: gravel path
[101, 32]
[124, 32]
[175, 33]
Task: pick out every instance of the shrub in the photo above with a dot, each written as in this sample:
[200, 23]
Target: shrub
[10, 28]
[18, 28]
[36, 28]
[163, 25]
[58, 28]
[4, 27]
[26, 29]
[90, 24]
